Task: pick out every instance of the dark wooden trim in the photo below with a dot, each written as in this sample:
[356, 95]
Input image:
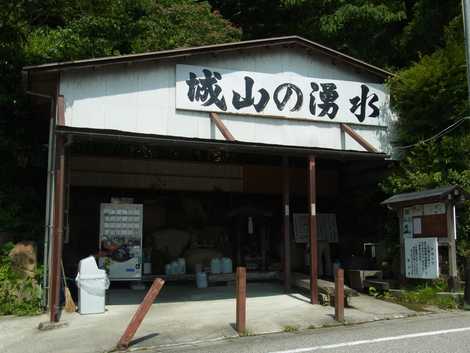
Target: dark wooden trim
[58, 228]
[358, 138]
[312, 195]
[60, 110]
[139, 315]
[286, 222]
[221, 126]
[241, 300]
[339, 295]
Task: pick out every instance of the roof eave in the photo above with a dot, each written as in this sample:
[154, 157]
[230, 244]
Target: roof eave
[216, 48]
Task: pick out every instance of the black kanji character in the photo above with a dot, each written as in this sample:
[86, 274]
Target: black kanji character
[239, 102]
[206, 90]
[289, 88]
[328, 96]
[362, 102]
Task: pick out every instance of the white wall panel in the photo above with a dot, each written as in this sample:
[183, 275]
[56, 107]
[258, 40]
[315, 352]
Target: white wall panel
[141, 98]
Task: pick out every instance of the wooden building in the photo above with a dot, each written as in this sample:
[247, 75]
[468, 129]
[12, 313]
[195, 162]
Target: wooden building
[202, 136]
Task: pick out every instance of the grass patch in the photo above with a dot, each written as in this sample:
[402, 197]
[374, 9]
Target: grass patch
[290, 328]
[419, 296]
[247, 333]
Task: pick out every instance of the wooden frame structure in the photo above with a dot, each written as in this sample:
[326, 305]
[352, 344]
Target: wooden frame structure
[449, 197]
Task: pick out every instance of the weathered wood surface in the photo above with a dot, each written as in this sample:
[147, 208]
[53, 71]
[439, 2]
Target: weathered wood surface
[324, 287]
[139, 315]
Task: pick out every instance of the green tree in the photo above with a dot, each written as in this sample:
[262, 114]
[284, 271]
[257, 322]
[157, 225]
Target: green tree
[388, 33]
[39, 31]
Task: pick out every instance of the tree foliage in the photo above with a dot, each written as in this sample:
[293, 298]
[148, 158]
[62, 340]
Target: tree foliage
[40, 31]
[387, 33]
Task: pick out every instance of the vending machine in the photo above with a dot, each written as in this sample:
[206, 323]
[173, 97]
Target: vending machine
[121, 240]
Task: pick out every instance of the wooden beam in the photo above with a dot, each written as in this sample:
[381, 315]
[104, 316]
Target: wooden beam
[241, 300]
[221, 126]
[313, 230]
[286, 223]
[358, 138]
[57, 233]
[451, 231]
[339, 295]
[139, 315]
[60, 110]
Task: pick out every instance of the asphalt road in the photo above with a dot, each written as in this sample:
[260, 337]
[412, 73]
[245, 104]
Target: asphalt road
[434, 333]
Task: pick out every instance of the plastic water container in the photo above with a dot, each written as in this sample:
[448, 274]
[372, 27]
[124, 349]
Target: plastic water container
[216, 266]
[175, 268]
[92, 283]
[226, 265]
[181, 265]
[201, 280]
[167, 269]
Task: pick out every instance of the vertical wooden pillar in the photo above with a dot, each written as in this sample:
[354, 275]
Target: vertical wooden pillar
[451, 232]
[57, 234]
[402, 244]
[241, 300]
[339, 295]
[313, 229]
[286, 222]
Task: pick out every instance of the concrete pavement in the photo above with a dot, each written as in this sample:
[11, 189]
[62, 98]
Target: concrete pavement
[435, 333]
[183, 315]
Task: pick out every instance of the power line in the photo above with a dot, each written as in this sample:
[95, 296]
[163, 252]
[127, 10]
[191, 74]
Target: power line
[439, 134]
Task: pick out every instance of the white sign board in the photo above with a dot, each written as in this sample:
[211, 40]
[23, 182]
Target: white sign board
[422, 258]
[434, 208]
[286, 94]
[326, 226]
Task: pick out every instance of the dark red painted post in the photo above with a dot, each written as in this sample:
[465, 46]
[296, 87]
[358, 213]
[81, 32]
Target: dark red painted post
[139, 315]
[286, 212]
[339, 295]
[241, 300]
[312, 191]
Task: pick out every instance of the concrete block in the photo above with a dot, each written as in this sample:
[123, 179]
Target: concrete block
[47, 325]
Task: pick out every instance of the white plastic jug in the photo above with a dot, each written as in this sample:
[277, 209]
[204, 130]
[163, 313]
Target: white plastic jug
[182, 265]
[216, 266]
[201, 280]
[168, 269]
[226, 265]
[175, 268]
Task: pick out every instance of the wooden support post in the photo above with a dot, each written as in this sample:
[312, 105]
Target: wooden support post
[57, 234]
[451, 232]
[221, 126]
[313, 230]
[241, 300]
[358, 138]
[402, 244]
[60, 110]
[339, 295]
[139, 315]
[286, 223]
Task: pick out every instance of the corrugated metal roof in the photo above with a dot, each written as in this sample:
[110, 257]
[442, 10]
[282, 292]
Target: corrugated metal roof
[216, 48]
[438, 193]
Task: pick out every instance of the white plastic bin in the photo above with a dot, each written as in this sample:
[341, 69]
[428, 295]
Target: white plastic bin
[92, 284]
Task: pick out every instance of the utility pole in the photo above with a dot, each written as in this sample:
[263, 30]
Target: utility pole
[466, 29]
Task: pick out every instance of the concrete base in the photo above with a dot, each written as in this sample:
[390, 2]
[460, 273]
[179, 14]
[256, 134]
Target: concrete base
[184, 314]
[47, 325]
